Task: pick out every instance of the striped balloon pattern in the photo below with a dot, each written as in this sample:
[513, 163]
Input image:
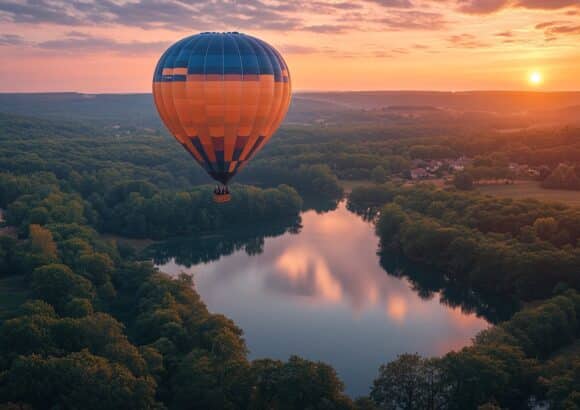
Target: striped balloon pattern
[222, 96]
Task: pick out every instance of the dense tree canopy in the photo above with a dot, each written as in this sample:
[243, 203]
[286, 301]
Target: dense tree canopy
[95, 326]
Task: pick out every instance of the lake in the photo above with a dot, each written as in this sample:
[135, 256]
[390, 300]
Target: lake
[320, 292]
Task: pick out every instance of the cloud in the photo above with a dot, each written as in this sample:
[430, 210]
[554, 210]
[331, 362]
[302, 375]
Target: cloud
[327, 28]
[382, 54]
[202, 15]
[547, 24]
[547, 4]
[413, 20]
[509, 37]
[481, 6]
[73, 44]
[553, 29]
[281, 15]
[297, 49]
[170, 14]
[177, 14]
[323, 5]
[564, 29]
[79, 34]
[39, 11]
[465, 41]
[11, 40]
[368, 51]
[392, 3]
[492, 6]
[77, 41]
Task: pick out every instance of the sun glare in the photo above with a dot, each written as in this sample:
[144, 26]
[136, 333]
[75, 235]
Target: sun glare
[535, 78]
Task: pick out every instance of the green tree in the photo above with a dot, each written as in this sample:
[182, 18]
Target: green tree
[39, 215]
[389, 224]
[41, 242]
[210, 382]
[546, 228]
[8, 259]
[77, 380]
[72, 249]
[297, 383]
[409, 383]
[528, 234]
[78, 307]
[95, 266]
[379, 175]
[57, 284]
[365, 403]
[563, 177]
[463, 181]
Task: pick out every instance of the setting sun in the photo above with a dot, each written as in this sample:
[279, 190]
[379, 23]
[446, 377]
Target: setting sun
[535, 78]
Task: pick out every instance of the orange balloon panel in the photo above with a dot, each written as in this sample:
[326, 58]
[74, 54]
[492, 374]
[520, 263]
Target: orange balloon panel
[222, 95]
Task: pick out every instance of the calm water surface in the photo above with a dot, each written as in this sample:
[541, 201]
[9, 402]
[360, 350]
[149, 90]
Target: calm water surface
[321, 294]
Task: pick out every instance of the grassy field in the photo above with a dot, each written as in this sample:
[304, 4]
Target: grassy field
[12, 294]
[348, 185]
[532, 189]
[137, 244]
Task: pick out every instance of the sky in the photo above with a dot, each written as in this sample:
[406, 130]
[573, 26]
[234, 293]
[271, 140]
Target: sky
[112, 46]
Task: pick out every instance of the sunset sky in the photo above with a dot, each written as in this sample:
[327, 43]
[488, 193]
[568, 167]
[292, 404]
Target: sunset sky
[113, 45]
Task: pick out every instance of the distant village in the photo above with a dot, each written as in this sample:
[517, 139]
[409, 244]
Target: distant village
[431, 169]
[446, 168]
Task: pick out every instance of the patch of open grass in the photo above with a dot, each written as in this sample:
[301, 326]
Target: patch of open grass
[532, 189]
[349, 185]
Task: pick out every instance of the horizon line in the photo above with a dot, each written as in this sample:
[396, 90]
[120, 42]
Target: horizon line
[320, 91]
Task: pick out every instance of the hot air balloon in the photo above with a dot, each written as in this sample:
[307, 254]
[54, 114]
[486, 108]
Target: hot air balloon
[222, 96]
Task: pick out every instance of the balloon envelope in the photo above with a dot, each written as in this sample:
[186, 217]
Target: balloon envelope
[222, 95]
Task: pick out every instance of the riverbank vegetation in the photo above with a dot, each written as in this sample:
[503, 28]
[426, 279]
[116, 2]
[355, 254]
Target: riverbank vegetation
[99, 330]
[522, 249]
[530, 360]
[511, 247]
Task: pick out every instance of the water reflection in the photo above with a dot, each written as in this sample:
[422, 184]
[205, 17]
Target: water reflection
[203, 249]
[428, 283]
[320, 292]
[319, 204]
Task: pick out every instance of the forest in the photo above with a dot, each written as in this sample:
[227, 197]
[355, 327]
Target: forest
[88, 322]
